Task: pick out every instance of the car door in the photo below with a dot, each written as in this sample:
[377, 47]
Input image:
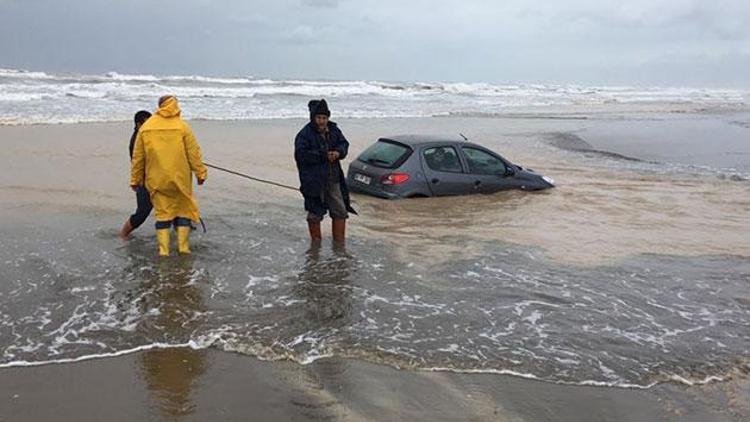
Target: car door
[443, 170]
[488, 172]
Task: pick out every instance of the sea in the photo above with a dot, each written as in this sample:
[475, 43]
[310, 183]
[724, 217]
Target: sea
[633, 271]
[39, 97]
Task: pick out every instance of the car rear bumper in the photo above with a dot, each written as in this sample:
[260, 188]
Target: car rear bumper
[358, 187]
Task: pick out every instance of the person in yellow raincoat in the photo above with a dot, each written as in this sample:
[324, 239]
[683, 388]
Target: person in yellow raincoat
[164, 158]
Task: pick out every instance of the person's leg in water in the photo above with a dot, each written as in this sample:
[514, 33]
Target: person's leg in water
[337, 209]
[313, 225]
[163, 229]
[338, 227]
[142, 211]
[126, 229]
[183, 227]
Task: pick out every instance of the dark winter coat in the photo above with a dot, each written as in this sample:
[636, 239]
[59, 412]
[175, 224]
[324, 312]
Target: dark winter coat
[311, 155]
[132, 142]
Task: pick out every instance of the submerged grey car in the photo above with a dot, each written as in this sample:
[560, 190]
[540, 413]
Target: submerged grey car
[420, 166]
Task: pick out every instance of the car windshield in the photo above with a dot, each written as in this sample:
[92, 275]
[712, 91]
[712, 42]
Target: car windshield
[385, 154]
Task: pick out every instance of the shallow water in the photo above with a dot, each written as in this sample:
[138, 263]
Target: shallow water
[641, 321]
[628, 273]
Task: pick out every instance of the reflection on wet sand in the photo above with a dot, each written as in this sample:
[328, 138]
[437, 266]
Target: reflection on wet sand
[325, 286]
[171, 373]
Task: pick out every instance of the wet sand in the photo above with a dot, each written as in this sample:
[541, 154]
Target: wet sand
[626, 211]
[82, 170]
[188, 385]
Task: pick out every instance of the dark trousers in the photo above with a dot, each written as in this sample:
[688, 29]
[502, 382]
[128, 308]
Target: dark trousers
[177, 222]
[144, 207]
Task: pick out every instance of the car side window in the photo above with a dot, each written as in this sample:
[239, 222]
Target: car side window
[442, 159]
[481, 162]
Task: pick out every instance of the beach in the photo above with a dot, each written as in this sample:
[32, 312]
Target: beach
[184, 384]
[621, 294]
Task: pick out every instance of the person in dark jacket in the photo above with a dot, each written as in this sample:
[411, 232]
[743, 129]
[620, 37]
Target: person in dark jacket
[318, 150]
[143, 200]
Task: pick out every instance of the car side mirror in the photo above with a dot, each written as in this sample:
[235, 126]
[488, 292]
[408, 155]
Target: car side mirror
[509, 171]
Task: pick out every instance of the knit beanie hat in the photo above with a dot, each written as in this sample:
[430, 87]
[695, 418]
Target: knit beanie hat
[318, 107]
[141, 116]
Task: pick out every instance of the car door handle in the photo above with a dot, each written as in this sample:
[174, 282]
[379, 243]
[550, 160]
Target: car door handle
[435, 180]
[477, 182]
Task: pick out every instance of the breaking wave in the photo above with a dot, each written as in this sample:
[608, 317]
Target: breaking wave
[26, 97]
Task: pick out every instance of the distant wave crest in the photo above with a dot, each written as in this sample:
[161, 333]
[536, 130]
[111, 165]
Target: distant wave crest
[26, 97]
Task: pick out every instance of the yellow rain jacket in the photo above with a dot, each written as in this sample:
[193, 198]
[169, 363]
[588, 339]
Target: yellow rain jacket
[165, 153]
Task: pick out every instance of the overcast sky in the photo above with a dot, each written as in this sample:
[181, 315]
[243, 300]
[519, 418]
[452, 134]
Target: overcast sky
[590, 42]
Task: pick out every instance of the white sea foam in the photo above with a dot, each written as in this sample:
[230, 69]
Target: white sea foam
[23, 74]
[593, 383]
[120, 77]
[318, 353]
[206, 79]
[190, 344]
[27, 97]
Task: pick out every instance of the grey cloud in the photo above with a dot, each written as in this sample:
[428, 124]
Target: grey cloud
[310, 35]
[725, 19]
[321, 3]
[581, 41]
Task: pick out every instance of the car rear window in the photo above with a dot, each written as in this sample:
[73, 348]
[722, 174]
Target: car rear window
[385, 153]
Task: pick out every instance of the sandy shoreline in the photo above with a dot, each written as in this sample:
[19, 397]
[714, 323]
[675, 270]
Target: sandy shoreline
[184, 384]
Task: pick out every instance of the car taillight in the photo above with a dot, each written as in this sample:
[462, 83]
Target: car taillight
[394, 178]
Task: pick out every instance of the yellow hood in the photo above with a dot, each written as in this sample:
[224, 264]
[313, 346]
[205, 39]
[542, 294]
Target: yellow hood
[169, 108]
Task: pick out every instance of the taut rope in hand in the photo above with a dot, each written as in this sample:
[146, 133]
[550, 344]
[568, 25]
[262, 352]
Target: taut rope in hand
[236, 173]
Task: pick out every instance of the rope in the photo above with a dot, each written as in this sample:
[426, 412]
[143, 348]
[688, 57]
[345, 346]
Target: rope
[251, 177]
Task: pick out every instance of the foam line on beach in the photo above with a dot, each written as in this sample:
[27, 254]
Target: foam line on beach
[195, 345]
[309, 359]
[589, 383]
[154, 346]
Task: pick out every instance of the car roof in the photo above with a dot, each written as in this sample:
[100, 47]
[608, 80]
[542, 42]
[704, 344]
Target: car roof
[416, 140]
